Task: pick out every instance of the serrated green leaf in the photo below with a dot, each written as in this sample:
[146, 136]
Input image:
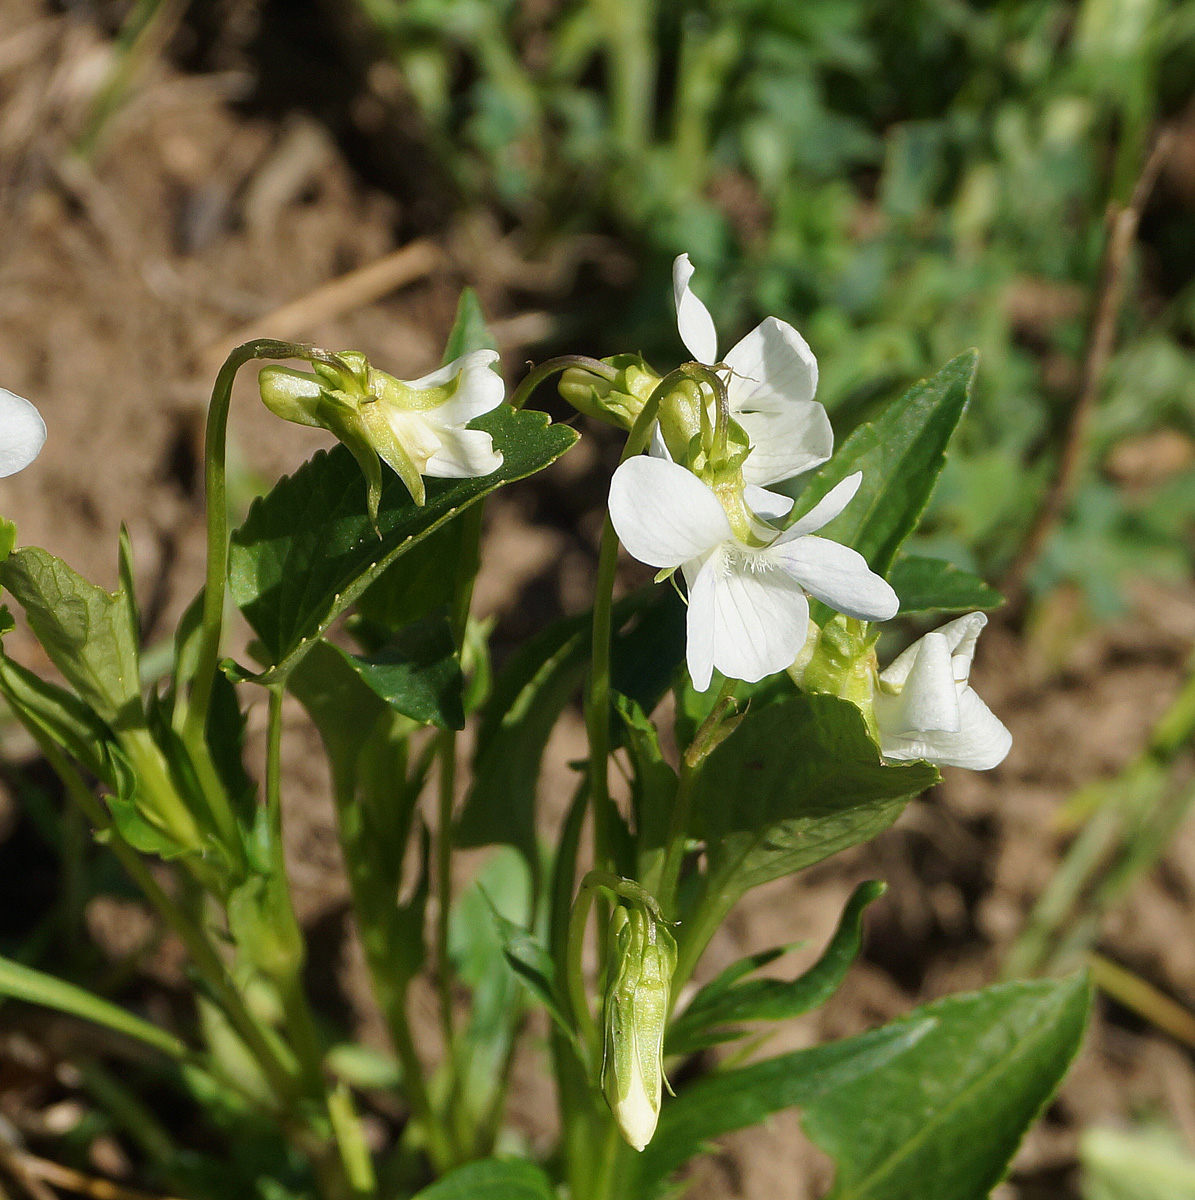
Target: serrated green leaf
[726, 1000]
[737, 1099]
[87, 632]
[943, 1120]
[418, 673]
[799, 780]
[35, 987]
[900, 454]
[412, 588]
[308, 550]
[934, 585]
[492, 1179]
[469, 329]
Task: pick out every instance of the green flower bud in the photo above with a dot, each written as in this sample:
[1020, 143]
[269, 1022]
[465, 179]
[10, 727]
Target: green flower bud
[416, 427]
[840, 660]
[618, 401]
[642, 959]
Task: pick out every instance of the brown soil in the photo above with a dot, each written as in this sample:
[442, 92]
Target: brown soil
[197, 216]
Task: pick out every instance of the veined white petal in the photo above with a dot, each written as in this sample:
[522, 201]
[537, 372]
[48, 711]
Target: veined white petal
[751, 617]
[663, 514]
[785, 441]
[838, 576]
[769, 505]
[980, 743]
[929, 699]
[699, 622]
[771, 367]
[474, 360]
[693, 319]
[22, 433]
[463, 454]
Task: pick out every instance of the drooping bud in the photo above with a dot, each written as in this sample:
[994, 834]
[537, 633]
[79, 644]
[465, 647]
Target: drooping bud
[642, 959]
[417, 427]
[616, 401]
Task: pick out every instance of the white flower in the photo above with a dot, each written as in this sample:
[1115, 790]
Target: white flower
[748, 605]
[22, 433]
[435, 436]
[925, 708]
[770, 387]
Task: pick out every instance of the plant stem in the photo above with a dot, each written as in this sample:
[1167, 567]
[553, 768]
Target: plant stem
[553, 366]
[446, 789]
[682, 805]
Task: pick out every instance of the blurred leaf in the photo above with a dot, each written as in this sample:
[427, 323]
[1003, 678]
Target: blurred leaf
[934, 585]
[492, 1179]
[35, 987]
[1135, 1164]
[469, 330]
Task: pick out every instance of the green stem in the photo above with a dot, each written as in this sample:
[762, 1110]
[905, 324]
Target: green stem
[575, 976]
[682, 806]
[446, 748]
[553, 366]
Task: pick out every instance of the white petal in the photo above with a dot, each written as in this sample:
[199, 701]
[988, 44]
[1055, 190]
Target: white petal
[981, 742]
[479, 389]
[692, 317]
[838, 576]
[960, 634]
[22, 433]
[769, 505]
[825, 510]
[663, 514]
[929, 698]
[771, 367]
[786, 442]
[657, 447]
[442, 375]
[750, 619]
[463, 454]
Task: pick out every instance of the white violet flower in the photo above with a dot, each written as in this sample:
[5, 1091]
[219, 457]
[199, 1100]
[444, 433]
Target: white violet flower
[926, 709]
[770, 387]
[748, 604]
[22, 433]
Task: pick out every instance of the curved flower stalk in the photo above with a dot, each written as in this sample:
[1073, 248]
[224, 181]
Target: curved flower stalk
[748, 583]
[22, 433]
[770, 383]
[925, 708]
[417, 427]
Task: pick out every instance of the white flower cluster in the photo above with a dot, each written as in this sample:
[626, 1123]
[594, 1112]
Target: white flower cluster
[749, 582]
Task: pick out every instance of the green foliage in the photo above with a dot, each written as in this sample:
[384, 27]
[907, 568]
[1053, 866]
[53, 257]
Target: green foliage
[732, 998]
[19, 982]
[1135, 1164]
[798, 780]
[933, 585]
[898, 1108]
[90, 635]
[308, 549]
[901, 453]
[492, 1179]
[990, 1061]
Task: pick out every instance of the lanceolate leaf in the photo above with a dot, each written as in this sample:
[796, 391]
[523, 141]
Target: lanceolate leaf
[308, 550]
[942, 1121]
[934, 585]
[729, 998]
[35, 987]
[736, 1099]
[929, 1107]
[492, 1179]
[469, 330]
[87, 632]
[900, 454]
[799, 780]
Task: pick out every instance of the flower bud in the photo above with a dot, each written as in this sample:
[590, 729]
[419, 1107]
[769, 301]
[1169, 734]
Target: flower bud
[642, 959]
[618, 401]
[840, 660]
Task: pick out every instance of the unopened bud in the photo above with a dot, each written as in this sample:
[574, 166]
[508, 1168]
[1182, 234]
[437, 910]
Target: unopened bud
[616, 401]
[642, 959]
